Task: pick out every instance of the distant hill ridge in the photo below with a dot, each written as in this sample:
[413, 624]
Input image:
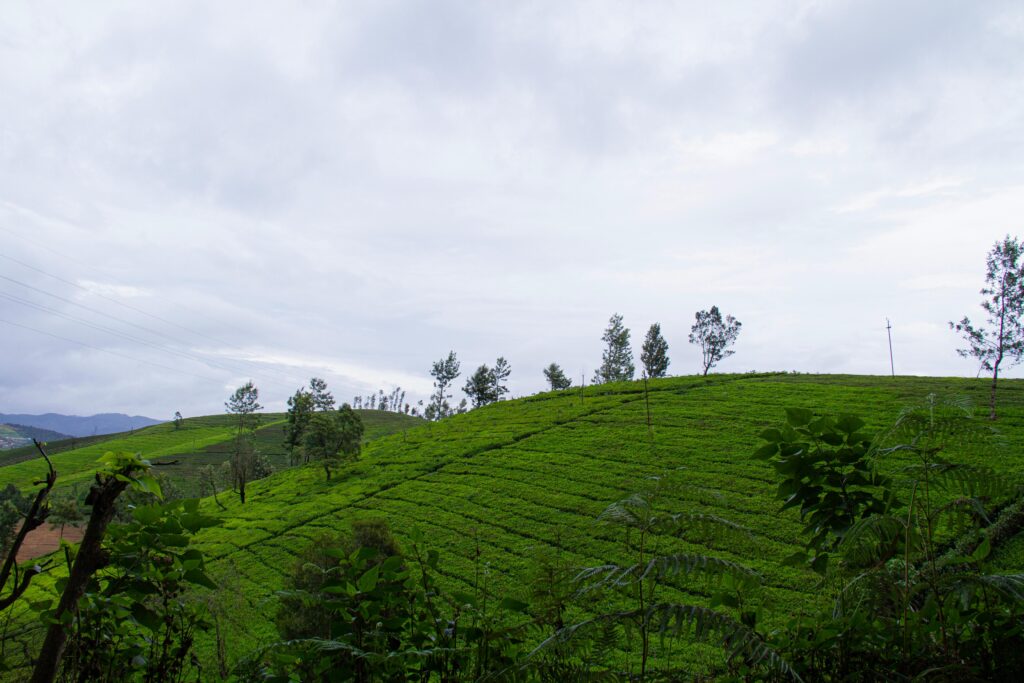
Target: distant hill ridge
[75, 425]
[15, 435]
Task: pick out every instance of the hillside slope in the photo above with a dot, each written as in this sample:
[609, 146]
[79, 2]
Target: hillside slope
[518, 476]
[491, 487]
[180, 451]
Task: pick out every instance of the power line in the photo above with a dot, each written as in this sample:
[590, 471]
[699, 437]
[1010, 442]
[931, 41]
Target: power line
[252, 365]
[129, 323]
[117, 333]
[113, 353]
[128, 306]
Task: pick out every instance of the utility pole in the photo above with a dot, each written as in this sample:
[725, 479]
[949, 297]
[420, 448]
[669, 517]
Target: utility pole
[888, 331]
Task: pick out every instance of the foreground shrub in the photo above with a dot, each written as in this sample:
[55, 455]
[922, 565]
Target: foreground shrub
[914, 596]
[377, 614]
[303, 612]
[135, 621]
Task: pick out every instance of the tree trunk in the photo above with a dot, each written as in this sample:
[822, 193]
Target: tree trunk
[992, 393]
[36, 515]
[90, 557]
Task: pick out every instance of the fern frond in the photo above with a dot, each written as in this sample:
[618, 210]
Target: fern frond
[973, 481]
[672, 620]
[1008, 587]
[940, 422]
[664, 567]
[963, 514]
[872, 539]
[713, 568]
[605, 575]
[705, 526]
[633, 511]
[739, 641]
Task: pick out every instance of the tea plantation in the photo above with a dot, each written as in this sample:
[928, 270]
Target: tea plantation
[493, 487]
[178, 452]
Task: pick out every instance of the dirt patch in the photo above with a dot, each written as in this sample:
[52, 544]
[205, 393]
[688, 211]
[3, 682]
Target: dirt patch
[45, 540]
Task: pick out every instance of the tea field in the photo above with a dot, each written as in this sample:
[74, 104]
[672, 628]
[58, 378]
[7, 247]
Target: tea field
[178, 452]
[492, 488]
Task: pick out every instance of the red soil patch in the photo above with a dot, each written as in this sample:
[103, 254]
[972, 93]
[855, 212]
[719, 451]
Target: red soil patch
[43, 540]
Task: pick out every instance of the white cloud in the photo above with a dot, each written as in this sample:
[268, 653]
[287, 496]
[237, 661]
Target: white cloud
[114, 290]
[727, 148]
[870, 200]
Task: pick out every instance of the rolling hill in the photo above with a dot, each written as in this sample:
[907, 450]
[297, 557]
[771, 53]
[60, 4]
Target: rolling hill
[178, 452]
[492, 487]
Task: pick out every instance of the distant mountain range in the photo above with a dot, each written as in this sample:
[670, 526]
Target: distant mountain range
[74, 425]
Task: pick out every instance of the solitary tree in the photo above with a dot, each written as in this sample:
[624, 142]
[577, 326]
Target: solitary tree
[65, 510]
[499, 376]
[444, 373]
[617, 358]
[556, 378]
[480, 387]
[322, 399]
[333, 437]
[714, 336]
[300, 409]
[655, 353]
[178, 419]
[244, 403]
[1003, 339]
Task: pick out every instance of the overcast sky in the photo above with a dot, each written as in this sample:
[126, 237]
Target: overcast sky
[195, 194]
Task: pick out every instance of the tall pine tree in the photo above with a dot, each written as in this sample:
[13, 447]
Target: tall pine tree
[556, 378]
[1003, 339]
[499, 375]
[323, 400]
[300, 408]
[654, 355]
[617, 358]
[480, 387]
[444, 373]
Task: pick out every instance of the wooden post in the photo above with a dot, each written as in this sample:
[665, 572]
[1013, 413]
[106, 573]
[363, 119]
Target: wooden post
[888, 330]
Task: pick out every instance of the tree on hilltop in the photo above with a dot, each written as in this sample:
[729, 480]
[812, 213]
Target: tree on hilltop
[654, 354]
[480, 387]
[244, 403]
[1003, 339]
[333, 437]
[487, 385]
[323, 400]
[300, 409]
[444, 373]
[617, 358]
[499, 375]
[714, 336]
[178, 420]
[556, 378]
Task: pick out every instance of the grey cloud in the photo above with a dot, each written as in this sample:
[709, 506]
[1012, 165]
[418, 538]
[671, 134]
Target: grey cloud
[353, 189]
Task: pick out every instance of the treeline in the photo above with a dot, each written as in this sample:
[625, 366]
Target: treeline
[394, 401]
[488, 384]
